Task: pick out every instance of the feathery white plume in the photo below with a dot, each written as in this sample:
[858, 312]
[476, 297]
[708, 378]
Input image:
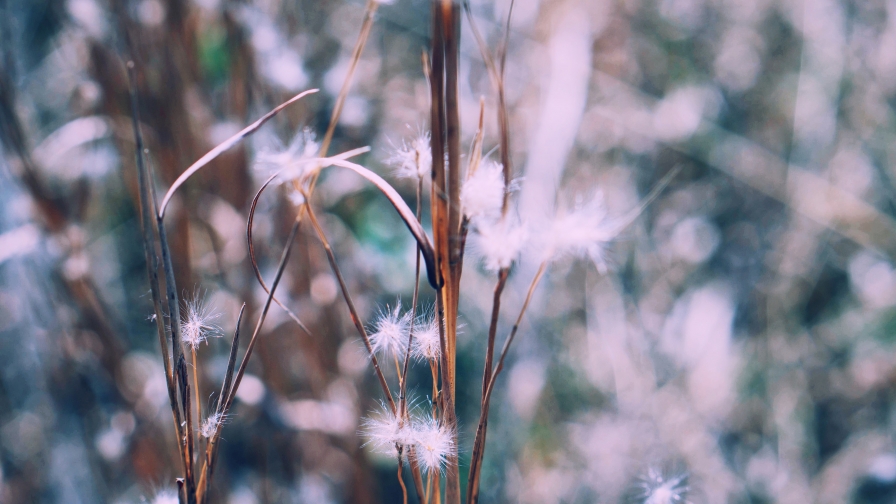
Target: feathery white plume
[412, 159]
[499, 242]
[426, 344]
[583, 231]
[199, 322]
[482, 193]
[433, 444]
[210, 425]
[390, 334]
[384, 430]
[294, 163]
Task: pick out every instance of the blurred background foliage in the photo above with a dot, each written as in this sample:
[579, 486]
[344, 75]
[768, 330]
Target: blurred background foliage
[743, 337]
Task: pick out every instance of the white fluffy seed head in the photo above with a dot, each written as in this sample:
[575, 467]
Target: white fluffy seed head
[658, 488]
[426, 344]
[384, 431]
[482, 193]
[210, 425]
[412, 159]
[390, 334]
[293, 164]
[583, 231]
[199, 322]
[433, 444]
[499, 242]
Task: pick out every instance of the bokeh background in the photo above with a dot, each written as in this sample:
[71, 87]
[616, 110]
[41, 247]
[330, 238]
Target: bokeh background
[742, 339]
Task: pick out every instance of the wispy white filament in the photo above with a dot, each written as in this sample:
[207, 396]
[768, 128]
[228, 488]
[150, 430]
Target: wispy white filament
[584, 231]
[210, 425]
[413, 159]
[426, 344]
[482, 193]
[433, 444]
[294, 163]
[499, 242]
[199, 322]
[390, 334]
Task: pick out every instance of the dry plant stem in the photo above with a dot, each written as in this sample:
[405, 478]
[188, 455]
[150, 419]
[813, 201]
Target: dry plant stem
[476, 459]
[497, 76]
[404, 489]
[211, 445]
[264, 312]
[479, 441]
[147, 211]
[254, 262]
[196, 394]
[363, 35]
[351, 306]
[448, 22]
[366, 26]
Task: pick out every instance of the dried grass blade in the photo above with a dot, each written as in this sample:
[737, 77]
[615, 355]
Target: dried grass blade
[147, 211]
[231, 362]
[404, 212]
[254, 262]
[224, 146]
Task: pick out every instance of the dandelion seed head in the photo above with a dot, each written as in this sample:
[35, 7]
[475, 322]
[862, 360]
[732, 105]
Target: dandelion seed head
[384, 430]
[583, 231]
[426, 344]
[482, 193]
[199, 322]
[412, 159]
[499, 242]
[433, 444]
[390, 334]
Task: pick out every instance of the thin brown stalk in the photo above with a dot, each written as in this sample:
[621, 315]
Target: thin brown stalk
[147, 211]
[366, 26]
[254, 262]
[264, 312]
[211, 444]
[196, 395]
[479, 440]
[351, 306]
[476, 460]
[496, 72]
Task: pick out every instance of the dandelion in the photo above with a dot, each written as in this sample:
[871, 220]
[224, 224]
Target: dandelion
[390, 334]
[210, 425]
[583, 231]
[434, 443]
[499, 242]
[426, 343]
[385, 430]
[413, 159]
[198, 323]
[483, 192]
[656, 488]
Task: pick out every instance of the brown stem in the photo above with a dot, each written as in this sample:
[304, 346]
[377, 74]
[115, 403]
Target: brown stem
[479, 440]
[351, 306]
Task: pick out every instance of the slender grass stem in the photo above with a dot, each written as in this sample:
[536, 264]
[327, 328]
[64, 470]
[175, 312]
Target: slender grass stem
[351, 306]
